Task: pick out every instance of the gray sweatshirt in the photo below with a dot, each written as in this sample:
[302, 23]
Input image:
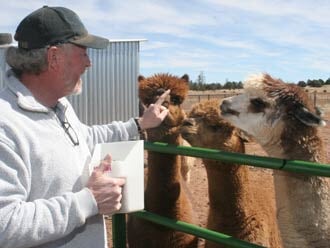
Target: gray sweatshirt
[43, 198]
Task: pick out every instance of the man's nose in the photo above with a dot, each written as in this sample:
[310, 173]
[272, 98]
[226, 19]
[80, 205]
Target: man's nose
[88, 62]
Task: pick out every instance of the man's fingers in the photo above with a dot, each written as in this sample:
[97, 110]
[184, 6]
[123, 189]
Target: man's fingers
[105, 164]
[163, 114]
[162, 98]
[120, 181]
[162, 108]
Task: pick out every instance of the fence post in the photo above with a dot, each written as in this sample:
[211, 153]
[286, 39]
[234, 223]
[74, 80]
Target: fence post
[119, 230]
[314, 98]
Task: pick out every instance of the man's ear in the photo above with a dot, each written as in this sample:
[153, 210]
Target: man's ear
[53, 57]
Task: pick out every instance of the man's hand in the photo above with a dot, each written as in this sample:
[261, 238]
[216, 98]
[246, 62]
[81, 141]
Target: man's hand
[155, 113]
[107, 190]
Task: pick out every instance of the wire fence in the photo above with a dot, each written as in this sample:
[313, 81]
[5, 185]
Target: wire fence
[320, 99]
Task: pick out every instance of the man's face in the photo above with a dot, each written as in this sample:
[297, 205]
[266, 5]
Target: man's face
[76, 61]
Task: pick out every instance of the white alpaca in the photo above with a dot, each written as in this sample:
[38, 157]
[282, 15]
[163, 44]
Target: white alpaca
[281, 118]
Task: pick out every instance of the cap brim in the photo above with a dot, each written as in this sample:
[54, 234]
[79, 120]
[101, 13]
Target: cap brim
[91, 41]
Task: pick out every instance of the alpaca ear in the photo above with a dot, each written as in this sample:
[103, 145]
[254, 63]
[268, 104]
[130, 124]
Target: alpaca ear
[308, 118]
[140, 78]
[185, 77]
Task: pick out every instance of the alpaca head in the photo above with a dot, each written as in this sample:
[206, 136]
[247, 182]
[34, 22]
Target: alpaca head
[268, 106]
[151, 88]
[204, 127]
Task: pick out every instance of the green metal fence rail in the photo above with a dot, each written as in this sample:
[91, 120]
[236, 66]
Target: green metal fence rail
[118, 220]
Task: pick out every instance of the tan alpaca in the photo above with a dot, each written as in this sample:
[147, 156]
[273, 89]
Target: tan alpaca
[281, 118]
[166, 193]
[239, 205]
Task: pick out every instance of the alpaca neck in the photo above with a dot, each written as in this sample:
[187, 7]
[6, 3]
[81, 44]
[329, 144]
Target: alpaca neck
[164, 180]
[229, 195]
[225, 179]
[302, 201]
[294, 142]
[270, 140]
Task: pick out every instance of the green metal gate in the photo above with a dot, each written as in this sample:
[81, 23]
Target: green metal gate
[118, 220]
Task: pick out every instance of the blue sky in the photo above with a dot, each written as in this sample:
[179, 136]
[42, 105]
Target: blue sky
[224, 39]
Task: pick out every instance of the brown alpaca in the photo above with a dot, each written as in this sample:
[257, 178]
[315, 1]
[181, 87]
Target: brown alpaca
[166, 193]
[282, 119]
[239, 204]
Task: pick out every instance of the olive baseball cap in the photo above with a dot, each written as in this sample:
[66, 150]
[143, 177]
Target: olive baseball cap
[55, 25]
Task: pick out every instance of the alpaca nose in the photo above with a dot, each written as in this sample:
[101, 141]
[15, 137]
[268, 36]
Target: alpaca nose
[224, 105]
[226, 108]
[188, 122]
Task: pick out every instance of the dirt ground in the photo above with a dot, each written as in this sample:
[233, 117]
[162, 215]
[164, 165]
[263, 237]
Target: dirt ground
[198, 182]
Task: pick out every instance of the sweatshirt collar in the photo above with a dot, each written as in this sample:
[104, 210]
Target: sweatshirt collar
[25, 99]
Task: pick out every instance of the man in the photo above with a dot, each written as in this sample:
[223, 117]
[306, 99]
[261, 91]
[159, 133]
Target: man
[48, 196]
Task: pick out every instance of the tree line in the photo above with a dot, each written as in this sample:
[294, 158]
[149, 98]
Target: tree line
[314, 83]
[201, 85]
[215, 86]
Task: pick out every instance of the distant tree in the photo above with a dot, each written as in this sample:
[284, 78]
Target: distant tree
[327, 81]
[200, 82]
[315, 82]
[302, 84]
[229, 85]
[201, 78]
[219, 86]
[192, 85]
[212, 86]
[318, 83]
[321, 81]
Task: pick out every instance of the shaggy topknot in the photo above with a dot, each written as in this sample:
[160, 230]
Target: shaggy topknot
[152, 87]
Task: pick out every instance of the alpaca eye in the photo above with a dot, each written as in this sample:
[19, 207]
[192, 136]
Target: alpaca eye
[176, 100]
[257, 105]
[258, 102]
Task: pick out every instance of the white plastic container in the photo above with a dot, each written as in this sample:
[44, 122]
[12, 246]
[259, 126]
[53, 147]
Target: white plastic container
[127, 162]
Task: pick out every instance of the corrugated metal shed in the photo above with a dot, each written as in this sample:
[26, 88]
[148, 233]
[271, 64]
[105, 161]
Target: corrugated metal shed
[110, 85]
[3, 65]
